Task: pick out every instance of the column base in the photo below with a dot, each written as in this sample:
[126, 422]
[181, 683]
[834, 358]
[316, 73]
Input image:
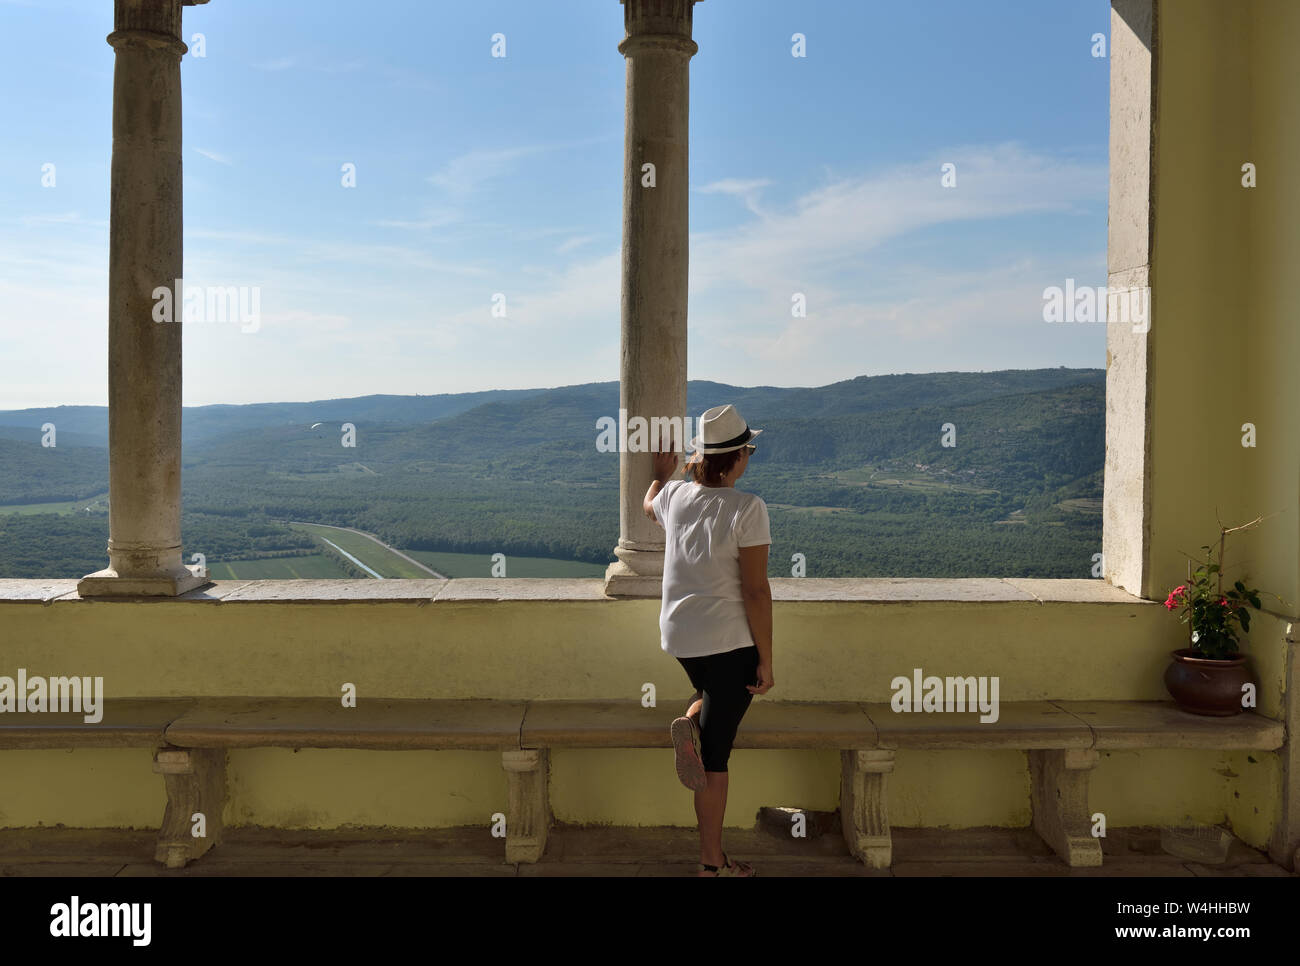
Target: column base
[107, 583]
[622, 581]
[636, 573]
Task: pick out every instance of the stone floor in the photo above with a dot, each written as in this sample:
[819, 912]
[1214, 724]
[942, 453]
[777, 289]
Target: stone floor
[593, 851]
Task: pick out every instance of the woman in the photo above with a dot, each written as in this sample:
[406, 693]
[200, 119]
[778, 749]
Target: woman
[716, 616]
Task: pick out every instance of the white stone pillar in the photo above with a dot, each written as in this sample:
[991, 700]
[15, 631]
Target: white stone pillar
[652, 368]
[1126, 489]
[144, 356]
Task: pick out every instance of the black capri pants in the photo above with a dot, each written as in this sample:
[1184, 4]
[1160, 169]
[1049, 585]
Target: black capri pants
[722, 680]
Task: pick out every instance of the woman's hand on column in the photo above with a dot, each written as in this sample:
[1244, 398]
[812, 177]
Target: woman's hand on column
[665, 465]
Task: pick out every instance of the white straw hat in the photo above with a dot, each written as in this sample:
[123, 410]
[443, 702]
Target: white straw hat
[722, 430]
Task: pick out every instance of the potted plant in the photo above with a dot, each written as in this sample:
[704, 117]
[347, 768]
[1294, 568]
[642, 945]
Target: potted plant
[1210, 676]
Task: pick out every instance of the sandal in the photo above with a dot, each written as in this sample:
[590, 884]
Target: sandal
[729, 868]
[686, 748]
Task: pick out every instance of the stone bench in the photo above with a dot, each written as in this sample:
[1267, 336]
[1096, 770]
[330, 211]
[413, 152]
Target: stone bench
[1063, 740]
[190, 738]
[199, 738]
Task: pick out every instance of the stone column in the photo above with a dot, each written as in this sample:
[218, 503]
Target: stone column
[144, 356]
[1126, 490]
[652, 368]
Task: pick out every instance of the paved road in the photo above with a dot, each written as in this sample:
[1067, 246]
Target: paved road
[373, 573]
[370, 536]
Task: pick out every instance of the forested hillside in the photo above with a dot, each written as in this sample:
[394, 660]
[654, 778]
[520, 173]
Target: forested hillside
[855, 474]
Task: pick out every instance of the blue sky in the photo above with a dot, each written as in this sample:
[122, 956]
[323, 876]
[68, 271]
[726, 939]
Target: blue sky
[479, 175]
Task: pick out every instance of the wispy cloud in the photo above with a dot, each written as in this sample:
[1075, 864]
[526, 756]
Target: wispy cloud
[835, 226]
[60, 218]
[464, 174]
[316, 321]
[431, 219]
[734, 186]
[324, 63]
[872, 256]
[840, 244]
[213, 156]
[747, 190]
[279, 63]
[574, 243]
[326, 66]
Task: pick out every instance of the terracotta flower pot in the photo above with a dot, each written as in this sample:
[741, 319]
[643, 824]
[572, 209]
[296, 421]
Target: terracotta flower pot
[1201, 685]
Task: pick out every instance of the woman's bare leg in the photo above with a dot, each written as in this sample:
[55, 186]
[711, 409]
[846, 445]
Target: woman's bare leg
[710, 807]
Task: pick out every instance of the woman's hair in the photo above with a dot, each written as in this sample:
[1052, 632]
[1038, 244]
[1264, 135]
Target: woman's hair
[708, 469]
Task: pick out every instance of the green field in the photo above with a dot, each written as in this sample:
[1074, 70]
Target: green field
[391, 566]
[808, 509]
[480, 565]
[907, 478]
[344, 470]
[97, 504]
[384, 562]
[319, 566]
[315, 566]
[1081, 505]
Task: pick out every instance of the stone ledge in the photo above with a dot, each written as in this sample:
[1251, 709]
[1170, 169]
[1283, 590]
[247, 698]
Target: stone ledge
[524, 588]
[317, 591]
[784, 589]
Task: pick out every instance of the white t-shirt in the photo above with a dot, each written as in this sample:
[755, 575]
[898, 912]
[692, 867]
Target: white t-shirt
[703, 611]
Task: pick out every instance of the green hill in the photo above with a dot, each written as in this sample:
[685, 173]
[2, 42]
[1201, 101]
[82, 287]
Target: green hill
[855, 474]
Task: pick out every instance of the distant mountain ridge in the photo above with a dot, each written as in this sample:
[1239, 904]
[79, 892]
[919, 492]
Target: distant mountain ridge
[88, 425]
[202, 423]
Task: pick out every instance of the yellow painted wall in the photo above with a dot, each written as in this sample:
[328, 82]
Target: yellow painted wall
[1225, 334]
[83, 788]
[328, 788]
[1274, 356]
[828, 650]
[322, 789]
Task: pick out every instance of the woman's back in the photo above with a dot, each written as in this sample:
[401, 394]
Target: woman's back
[704, 528]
